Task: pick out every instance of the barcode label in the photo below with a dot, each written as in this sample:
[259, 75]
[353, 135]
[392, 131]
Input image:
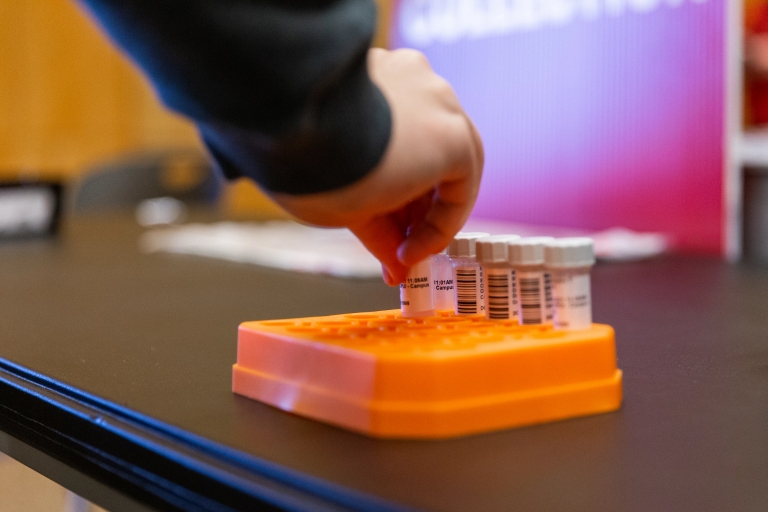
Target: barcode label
[548, 317]
[466, 291]
[531, 307]
[416, 293]
[571, 297]
[498, 295]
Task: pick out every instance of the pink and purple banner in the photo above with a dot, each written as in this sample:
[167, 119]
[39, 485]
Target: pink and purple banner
[594, 113]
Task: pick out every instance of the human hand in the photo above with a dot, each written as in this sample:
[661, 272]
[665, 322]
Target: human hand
[421, 193]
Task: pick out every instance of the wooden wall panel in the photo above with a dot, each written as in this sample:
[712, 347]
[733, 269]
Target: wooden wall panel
[68, 98]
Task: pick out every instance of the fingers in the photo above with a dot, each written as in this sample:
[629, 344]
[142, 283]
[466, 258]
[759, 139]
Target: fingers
[478, 149]
[382, 236]
[449, 206]
[442, 221]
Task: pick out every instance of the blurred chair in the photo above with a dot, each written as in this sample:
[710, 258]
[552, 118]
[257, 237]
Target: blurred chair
[183, 174]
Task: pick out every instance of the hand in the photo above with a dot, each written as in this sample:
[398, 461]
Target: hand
[421, 193]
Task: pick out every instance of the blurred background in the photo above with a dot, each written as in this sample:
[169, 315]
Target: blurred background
[619, 112]
[594, 114]
[71, 106]
[622, 113]
[648, 115]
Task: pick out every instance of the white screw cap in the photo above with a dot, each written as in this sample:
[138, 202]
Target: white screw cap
[528, 251]
[570, 253]
[463, 244]
[494, 249]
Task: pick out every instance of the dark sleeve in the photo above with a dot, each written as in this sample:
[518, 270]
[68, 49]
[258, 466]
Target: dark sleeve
[279, 89]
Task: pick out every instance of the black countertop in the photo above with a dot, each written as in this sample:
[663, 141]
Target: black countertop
[118, 365]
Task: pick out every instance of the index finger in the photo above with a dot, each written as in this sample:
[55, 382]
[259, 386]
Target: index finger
[452, 202]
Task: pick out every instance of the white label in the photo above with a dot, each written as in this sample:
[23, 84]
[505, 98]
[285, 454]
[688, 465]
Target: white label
[416, 291]
[26, 209]
[535, 292]
[442, 283]
[500, 294]
[572, 300]
[470, 290]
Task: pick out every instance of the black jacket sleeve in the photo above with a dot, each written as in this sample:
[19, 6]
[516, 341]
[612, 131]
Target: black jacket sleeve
[278, 88]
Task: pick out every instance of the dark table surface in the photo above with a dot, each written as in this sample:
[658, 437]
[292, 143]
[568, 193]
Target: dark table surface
[115, 367]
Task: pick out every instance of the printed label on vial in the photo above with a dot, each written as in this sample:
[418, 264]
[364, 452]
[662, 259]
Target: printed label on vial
[500, 292]
[481, 292]
[514, 295]
[533, 297]
[442, 281]
[469, 288]
[572, 301]
[548, 304]
[416, 290]
[443, 294]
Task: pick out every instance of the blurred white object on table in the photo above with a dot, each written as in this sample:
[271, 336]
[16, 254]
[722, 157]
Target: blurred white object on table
[291, 246]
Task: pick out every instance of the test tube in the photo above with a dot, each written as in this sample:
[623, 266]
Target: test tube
[500, 292]
[467, 274]
[534, 283]
[416, 291]
[442, 282]
[570, 260]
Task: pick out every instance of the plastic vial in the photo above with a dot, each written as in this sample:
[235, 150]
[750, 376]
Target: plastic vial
[442, 282]
[500, 292]
[570, 260]
[416, 291]
[467, 274]
[533, 282]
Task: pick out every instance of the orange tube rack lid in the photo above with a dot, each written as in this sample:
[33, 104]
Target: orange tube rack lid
[387, 376]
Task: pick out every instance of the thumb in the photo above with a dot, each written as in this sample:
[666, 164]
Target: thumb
[382, 236]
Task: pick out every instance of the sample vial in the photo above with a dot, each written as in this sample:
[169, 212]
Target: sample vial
[442, 282]
[569, 260]
[533, 282]
[467, 274]
[416, 291]
[500, 292]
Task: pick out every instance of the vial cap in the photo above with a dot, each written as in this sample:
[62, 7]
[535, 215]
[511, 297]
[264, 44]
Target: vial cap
[494, 249]
[570, 253]
[528, 251]
[463, 244]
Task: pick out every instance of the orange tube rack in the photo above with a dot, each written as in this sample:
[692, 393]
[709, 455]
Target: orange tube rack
[387, 376]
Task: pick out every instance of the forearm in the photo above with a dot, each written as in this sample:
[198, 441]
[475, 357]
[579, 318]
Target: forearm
[279, 89]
